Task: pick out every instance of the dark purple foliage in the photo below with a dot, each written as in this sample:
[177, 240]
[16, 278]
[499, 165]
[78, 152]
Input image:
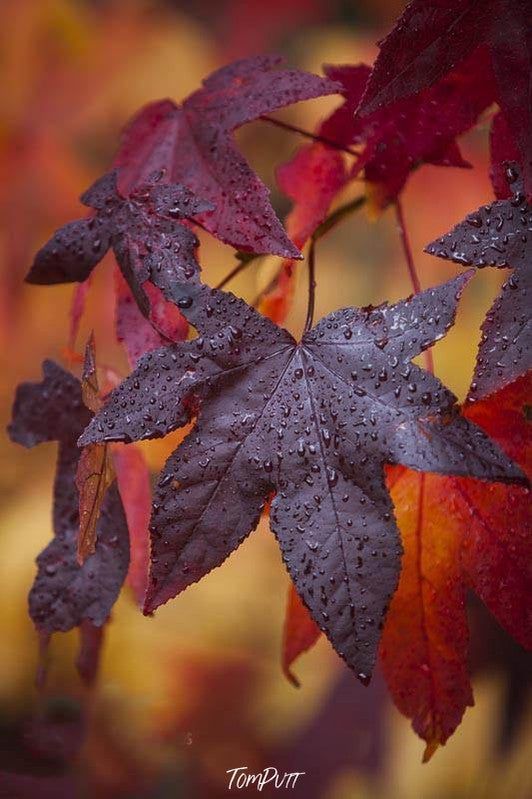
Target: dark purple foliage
[313, 422]
[143, 229]
[65, 594]
[498, 235]
[194, 143]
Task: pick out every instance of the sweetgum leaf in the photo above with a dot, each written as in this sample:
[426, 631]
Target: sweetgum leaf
[65, 593]
[396, 140]
[458, 532]
[143, 229]
[433, 36]
[498, 235]
[134, 331]
[314, 422]
[194, 143]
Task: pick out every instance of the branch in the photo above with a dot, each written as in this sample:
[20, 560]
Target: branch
[414, 279]
[308, 135]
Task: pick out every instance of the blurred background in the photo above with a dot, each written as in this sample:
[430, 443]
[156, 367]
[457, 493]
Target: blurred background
[198, 689]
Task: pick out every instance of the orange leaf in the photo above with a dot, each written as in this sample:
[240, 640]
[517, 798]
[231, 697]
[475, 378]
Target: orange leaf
[458, 531]
[424, 642]
[94, 476]
[300, 632]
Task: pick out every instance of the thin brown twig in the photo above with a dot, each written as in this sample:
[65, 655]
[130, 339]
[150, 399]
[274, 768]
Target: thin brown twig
[311, 285]
[414, 278]
[308, 135]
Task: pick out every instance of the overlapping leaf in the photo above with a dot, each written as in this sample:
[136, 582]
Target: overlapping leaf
[421, 129]
[455, 532]
[194, 143]
[64, 593]
[143, 230]
[433, 36]
[313, 422]
[312, 179]
[498, 235]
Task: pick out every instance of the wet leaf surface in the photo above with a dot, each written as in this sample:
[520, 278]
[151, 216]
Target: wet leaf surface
[194, 143]
[498, 235]
[315, 422]
[65, 593]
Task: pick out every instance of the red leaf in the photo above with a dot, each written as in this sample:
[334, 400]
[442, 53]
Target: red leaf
[194, 143]
[133, 480]
[420, 129]
[424, 641]
[311, 179]
[138, 334]
[458, 531]
[432, 36]
[497, 553]
[300, 632]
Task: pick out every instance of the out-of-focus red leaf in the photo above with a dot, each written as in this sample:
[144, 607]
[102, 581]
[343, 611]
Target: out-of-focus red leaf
[194, 143]
[497, 552]
[300, 633]
[416, 130]
[312, 179]
[433, 36]
[77, 309]
[135, 332]
[133, 480]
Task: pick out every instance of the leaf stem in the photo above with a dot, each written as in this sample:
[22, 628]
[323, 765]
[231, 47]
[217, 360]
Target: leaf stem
[311, 285]
[308, 135]
[244, 259]
[414, 279]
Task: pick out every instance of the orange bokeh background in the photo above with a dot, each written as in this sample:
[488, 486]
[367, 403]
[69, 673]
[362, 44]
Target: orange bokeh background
[198, 689]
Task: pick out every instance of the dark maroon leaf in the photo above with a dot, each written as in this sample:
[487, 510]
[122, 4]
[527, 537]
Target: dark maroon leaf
[498, 235]
[194, 143]
[432, 36]
[313, 422]
[422, 129]
[64, 593]
[143, 229]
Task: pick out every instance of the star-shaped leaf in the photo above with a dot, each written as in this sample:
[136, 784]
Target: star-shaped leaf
[498, 235]
[396, 140]
[313, 422]
[433, 36]
[64, 593]
[143, 229]
[194, 143]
